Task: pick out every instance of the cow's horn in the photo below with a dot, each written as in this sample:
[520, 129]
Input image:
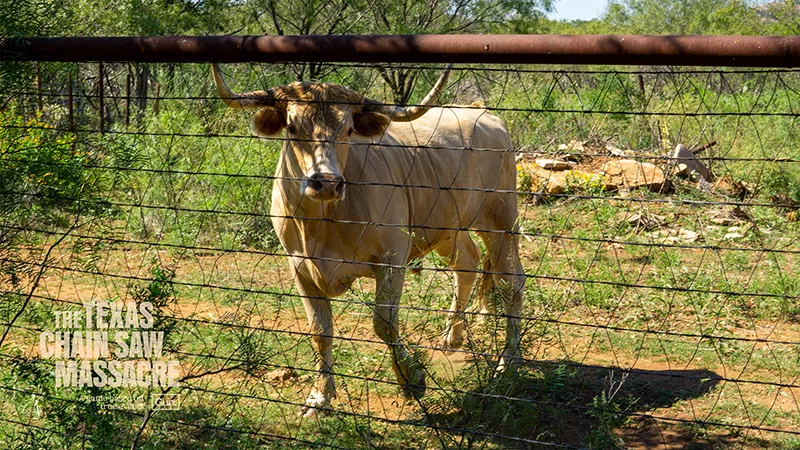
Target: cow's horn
[254, 99]
[409, 113]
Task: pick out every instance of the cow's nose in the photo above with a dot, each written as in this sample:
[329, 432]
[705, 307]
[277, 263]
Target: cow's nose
[325, 186]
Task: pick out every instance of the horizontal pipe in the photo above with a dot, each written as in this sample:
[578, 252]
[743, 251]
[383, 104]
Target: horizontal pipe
[740, 51]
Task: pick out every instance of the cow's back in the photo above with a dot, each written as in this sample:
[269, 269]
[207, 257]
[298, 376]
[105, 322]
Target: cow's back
[438, 173]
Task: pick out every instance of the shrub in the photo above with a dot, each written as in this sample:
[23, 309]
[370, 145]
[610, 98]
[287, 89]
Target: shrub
[43, 173]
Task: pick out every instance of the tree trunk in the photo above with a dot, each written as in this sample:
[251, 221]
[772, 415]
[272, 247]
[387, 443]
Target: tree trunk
[142, 75]
[401, 82]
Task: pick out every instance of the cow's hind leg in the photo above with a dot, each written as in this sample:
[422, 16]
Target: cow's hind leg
[464, 256]
[320, 319]
[409, 371]
[508, 282]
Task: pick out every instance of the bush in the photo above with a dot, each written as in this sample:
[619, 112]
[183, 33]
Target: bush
[44, 174]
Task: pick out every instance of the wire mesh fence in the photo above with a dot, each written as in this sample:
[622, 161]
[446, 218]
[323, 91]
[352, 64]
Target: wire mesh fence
[655, 222]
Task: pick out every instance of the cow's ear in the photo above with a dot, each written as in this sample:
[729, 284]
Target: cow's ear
[267, 122]
[370, 123]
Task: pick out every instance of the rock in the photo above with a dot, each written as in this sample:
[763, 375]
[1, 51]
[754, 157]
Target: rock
[552, 164]
[630, 174]
[675, 236]
[646, 221]
[737, 232]
[687, 235]
[572, 146]
[687, 163]
[549, 181]
[727, 215]
[731, 188]
[722, 220]
[281, 375]
[527, 154]
[616, 151]
[535, 179]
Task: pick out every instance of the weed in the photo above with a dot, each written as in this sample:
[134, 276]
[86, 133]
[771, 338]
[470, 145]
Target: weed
[606, 413]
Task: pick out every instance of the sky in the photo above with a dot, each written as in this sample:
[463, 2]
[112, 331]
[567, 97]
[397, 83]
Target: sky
[578, 9]
[590, 9]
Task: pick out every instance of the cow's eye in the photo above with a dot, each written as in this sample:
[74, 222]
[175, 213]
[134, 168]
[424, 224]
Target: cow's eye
[349, 131]
[291, 129]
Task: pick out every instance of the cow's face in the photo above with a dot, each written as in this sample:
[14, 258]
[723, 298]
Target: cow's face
[319, 120]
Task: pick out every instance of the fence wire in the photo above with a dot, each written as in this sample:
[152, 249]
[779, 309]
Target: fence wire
[660, 305]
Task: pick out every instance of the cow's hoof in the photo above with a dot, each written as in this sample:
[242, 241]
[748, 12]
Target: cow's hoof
[316, 403]
[507, 363]
[415, 388]
[454, 335]
[479, 316]
[451, 341]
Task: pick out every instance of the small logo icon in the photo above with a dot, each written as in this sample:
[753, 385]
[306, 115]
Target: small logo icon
[166, 402]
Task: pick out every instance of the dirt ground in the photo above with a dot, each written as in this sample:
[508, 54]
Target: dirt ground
[670, 390]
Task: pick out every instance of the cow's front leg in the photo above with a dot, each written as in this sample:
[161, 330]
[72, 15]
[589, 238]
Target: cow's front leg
[320, 320]
[409, 371]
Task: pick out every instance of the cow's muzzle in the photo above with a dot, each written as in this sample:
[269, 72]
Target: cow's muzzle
[325, 186]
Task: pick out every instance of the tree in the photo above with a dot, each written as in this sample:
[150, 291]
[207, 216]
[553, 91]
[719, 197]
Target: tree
[147, 18]
[448, 17]
[699, 17]
[28, 18]
[782, 17]
[391, 17]
[304, 18]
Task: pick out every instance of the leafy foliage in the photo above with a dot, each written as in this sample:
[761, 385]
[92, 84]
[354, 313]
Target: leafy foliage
[683, 17]
[44, 173]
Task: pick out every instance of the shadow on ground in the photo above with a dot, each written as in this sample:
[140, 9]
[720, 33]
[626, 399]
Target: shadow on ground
[573, 404]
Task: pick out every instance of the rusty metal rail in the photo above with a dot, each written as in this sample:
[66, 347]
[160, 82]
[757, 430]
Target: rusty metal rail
[740, 51]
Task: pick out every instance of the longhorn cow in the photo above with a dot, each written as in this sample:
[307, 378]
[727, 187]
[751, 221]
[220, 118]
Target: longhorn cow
[363, 188]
